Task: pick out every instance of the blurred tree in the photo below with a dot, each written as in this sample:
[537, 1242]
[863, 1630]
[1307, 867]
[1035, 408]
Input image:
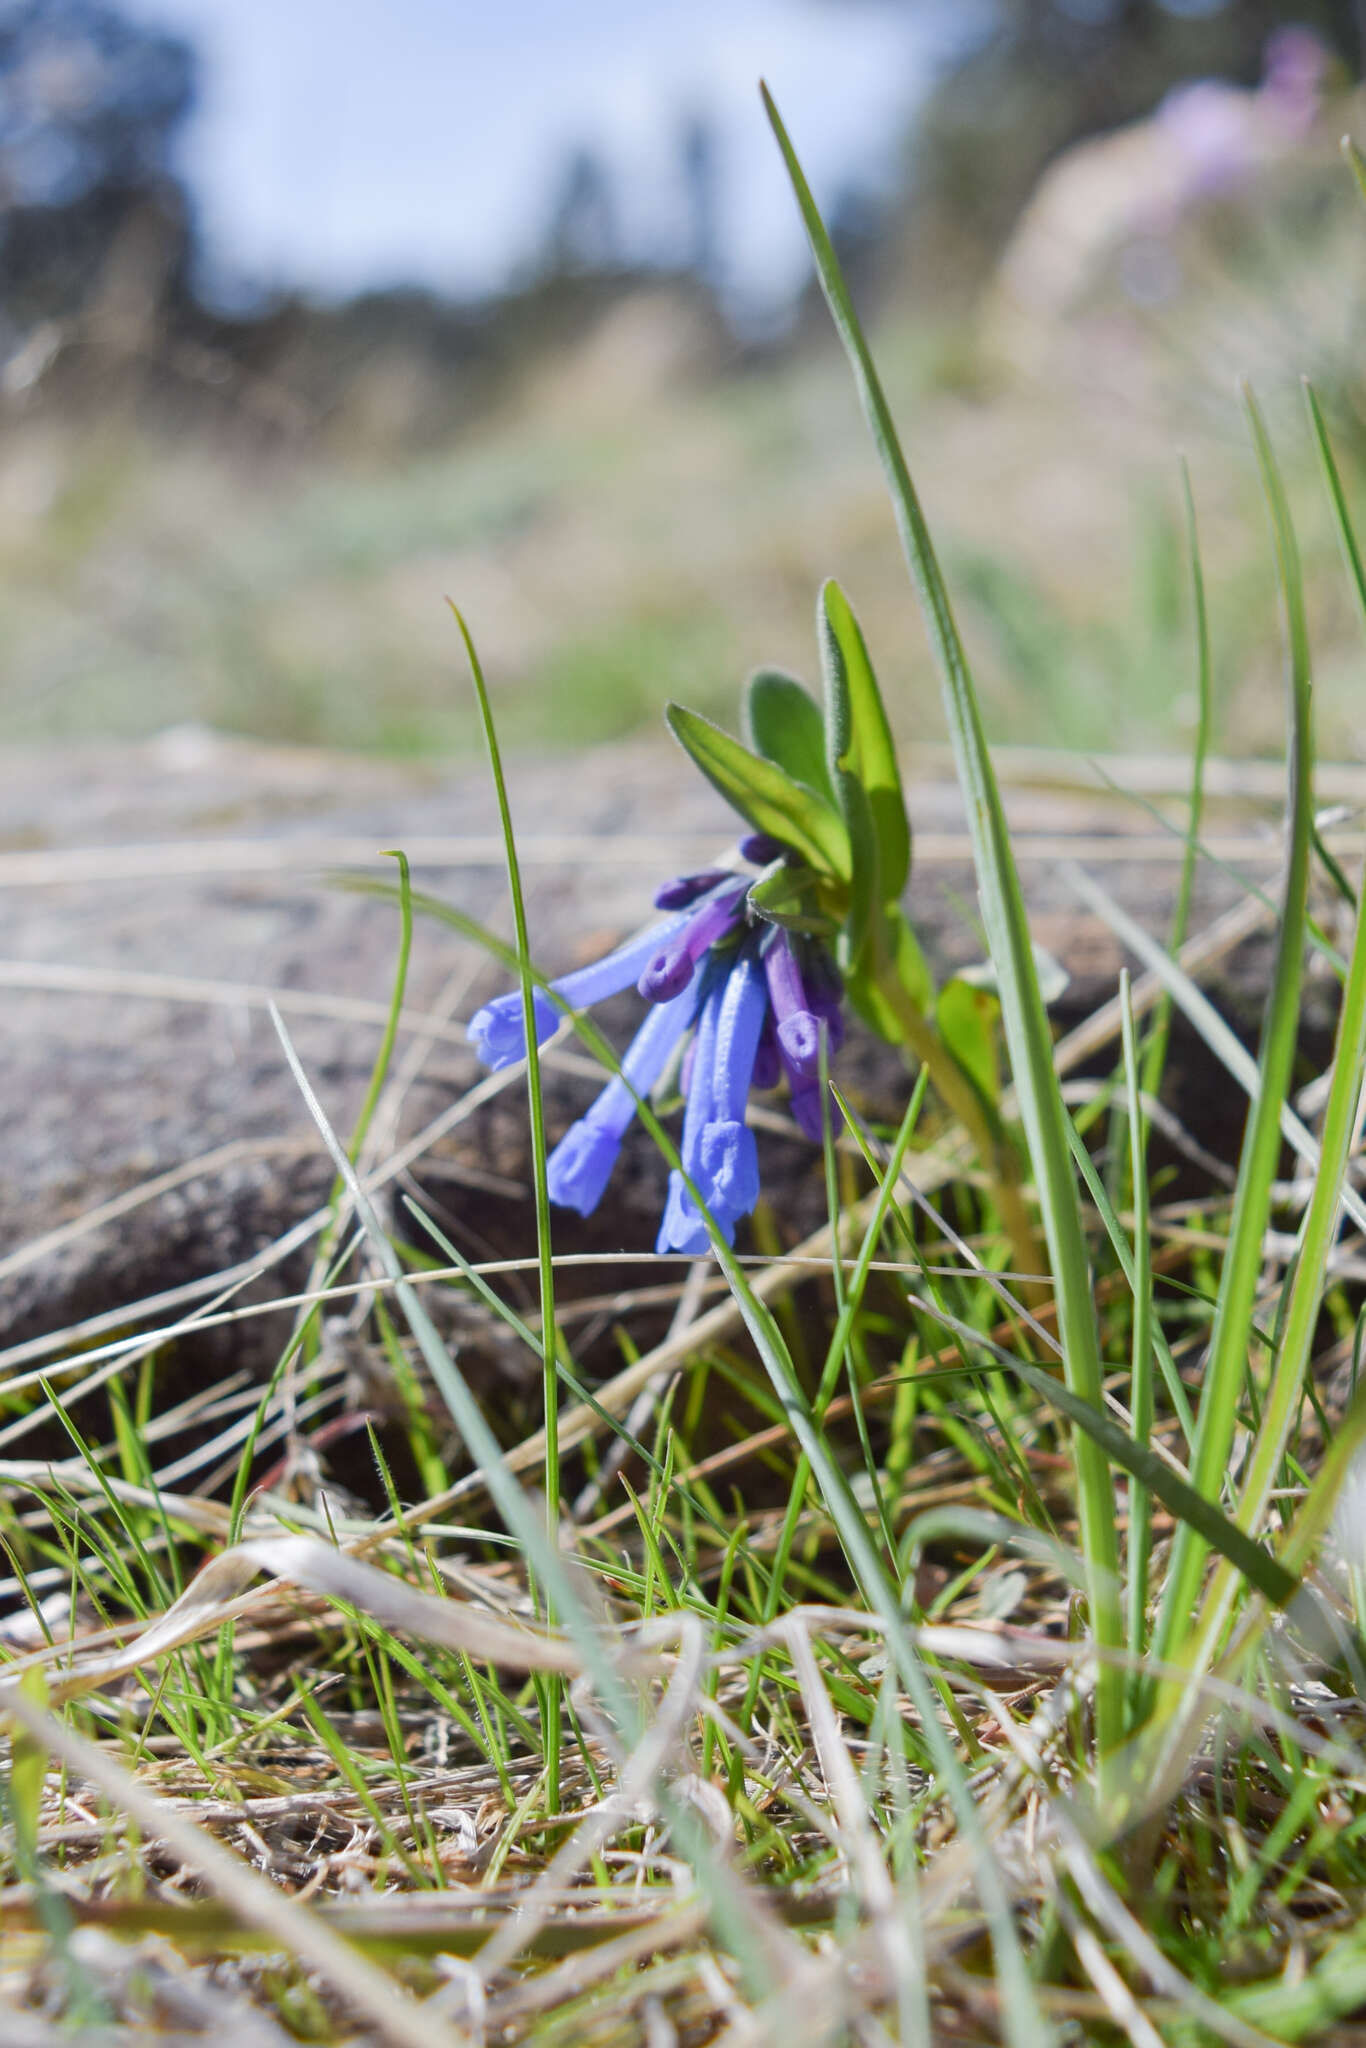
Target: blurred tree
[1054, 71]
[699, 155]
[90, 103]
[583, 223]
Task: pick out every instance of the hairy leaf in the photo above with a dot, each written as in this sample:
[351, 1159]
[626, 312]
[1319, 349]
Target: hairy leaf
[782, 721]
[763, 793]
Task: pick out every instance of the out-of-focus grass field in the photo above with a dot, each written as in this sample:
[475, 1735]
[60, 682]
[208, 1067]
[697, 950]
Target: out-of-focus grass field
[639, 516]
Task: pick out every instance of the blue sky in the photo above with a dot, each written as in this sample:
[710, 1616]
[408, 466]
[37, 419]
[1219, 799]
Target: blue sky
[346, 143]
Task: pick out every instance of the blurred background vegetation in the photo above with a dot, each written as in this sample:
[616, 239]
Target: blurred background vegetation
[240, 499]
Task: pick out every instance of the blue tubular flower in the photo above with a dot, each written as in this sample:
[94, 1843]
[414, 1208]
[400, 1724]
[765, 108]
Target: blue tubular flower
[682, 1229]
[497, 1031]
[719, 1154]
[580, 1167]
[755, 1000]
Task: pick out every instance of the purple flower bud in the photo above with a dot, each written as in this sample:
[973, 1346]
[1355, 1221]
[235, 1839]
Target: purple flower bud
[832, 1017]
[799, 1035]
[802, 1005]
[686, 889]
[671, 969]
[668, 974]
[805, 1104]
[784, 976]
[759, 848]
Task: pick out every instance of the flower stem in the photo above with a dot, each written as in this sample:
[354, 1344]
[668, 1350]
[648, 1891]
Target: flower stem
[994, 1150]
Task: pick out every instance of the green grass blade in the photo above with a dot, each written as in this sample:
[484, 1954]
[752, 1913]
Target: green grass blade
[1141, 1354]
[1317, 1239]
[725, 1897]
[1319, 1233]
[1196, 1006]
[1007, 927]
[549, 1685]
[1269, 1574]
[1159, 1036]
[1217, 1416]
[1337, 498]
[1356, 163]
[1192, 1509]
[1114, 1230]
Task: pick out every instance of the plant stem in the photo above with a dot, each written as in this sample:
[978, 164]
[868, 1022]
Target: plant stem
[996, 1152]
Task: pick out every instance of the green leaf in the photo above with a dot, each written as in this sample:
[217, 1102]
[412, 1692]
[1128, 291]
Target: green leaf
[859, 739]
[967, 1018]
[763, 793]
[890, 949]
[782, 721]
[796, 897]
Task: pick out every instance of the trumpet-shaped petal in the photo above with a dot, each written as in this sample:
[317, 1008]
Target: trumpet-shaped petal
[496, 1031]
[580, 1166]
[729, 1171]
[578, 1170]
[719, 1154]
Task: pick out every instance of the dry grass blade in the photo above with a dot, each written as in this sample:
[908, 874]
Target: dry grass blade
[1119, 2001]
[897, 1923]
[640, 1773]
[253, 1899]
[316, 1567]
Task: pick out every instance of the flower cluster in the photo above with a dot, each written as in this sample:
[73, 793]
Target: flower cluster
[745, 1002]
